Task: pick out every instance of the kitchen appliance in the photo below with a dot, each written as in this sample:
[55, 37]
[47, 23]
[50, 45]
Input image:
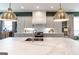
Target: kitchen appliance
[38, 36]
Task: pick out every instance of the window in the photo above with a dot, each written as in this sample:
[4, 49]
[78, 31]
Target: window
[76, 26]
[7, 26]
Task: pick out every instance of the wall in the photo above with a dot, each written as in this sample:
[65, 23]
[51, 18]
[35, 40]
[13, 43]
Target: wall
[23, 22]
[27, 22]
[51, 24]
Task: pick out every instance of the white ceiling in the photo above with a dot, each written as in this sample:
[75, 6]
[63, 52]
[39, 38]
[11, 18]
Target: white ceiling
[70, 7]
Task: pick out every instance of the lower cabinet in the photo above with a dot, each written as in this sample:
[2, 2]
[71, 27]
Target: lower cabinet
[6, 34]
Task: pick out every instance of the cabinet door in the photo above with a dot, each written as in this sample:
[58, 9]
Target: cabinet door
[14, 26]
[1, 25]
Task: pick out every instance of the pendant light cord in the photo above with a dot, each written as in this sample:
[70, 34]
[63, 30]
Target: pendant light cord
[60, 5]
[9, 5]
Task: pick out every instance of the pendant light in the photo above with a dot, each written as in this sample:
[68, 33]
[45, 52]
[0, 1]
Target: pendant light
[9, 15]
[60, 15]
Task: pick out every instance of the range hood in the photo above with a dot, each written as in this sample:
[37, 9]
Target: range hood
[39, 17]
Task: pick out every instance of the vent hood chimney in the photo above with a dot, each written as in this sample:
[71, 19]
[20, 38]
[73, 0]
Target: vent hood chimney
[39, 17]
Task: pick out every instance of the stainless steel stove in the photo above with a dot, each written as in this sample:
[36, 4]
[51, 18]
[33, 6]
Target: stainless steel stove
[38, 36]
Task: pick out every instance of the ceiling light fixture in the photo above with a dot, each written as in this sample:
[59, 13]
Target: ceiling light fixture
[22, 7]
[61, 15]
[51, 7]
[37, 7]
[8, 15]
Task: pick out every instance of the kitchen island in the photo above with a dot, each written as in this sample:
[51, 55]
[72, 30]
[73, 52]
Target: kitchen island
[50, 46]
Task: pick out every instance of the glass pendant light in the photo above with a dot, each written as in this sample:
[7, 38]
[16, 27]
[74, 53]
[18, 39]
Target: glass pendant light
[9, 15]
[61, 15]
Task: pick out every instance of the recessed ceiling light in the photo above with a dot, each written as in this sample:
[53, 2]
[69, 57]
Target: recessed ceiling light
[22, 7]
[51, 7]
[37, 7]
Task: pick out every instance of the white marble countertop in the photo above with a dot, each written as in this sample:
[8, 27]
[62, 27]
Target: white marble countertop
[50, 46]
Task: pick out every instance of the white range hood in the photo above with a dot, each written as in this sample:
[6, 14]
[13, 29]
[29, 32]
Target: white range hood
[39, 17]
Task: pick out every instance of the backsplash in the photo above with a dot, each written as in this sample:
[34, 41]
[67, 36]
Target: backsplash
[39, 27]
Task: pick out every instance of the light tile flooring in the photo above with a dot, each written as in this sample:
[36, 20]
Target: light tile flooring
[50, 46]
